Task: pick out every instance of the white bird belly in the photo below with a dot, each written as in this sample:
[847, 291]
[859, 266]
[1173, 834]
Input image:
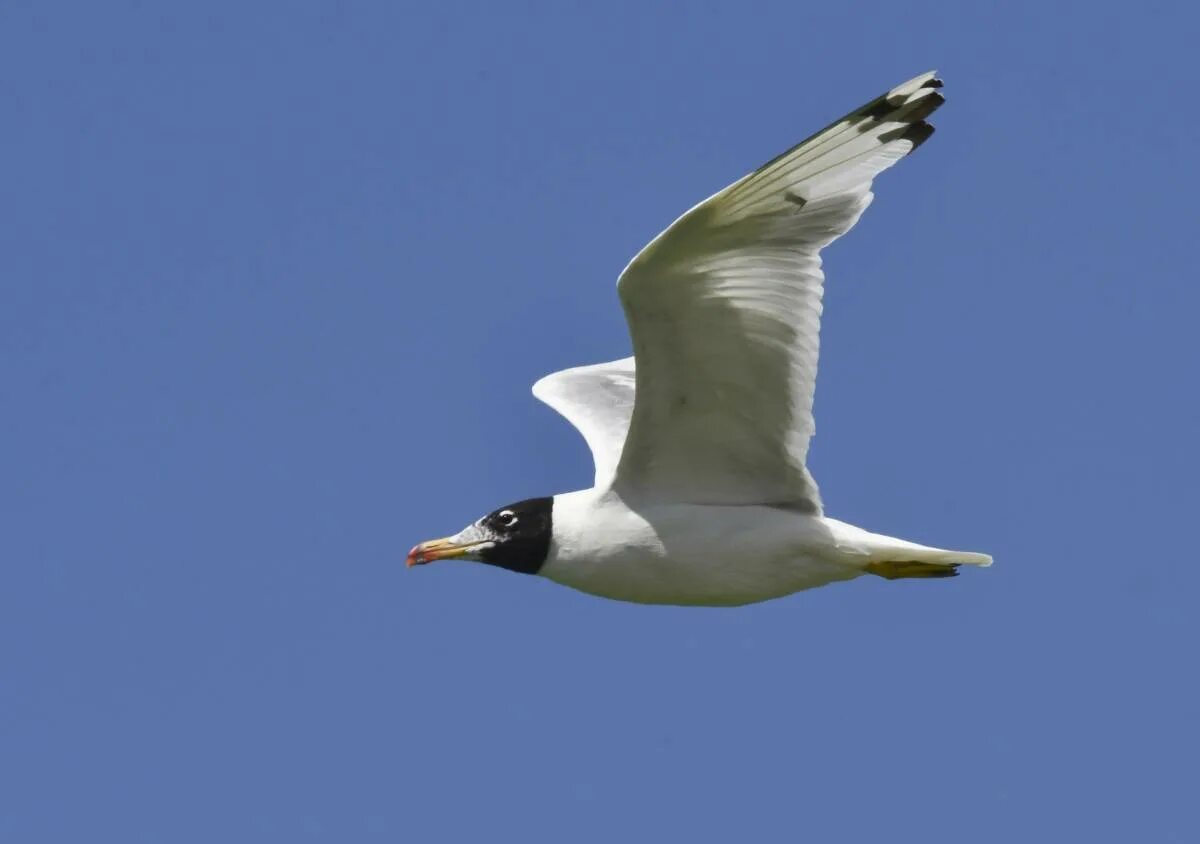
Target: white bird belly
[689, 554]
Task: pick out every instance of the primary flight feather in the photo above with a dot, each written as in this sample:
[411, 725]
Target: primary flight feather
[701, 493]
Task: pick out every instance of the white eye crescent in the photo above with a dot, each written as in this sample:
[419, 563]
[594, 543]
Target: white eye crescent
[506, 518]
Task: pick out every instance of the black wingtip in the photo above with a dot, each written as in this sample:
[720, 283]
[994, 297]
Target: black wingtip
[934, 83]
[918, 133]
[877, 109]
[928, 105]
[881, 109]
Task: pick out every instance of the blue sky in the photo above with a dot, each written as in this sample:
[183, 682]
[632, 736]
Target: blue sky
[276, 279]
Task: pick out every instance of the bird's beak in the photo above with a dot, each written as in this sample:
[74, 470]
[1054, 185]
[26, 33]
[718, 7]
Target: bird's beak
[466, 544]
[436, 549]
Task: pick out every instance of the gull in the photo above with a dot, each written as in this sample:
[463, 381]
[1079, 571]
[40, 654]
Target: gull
[701, 494]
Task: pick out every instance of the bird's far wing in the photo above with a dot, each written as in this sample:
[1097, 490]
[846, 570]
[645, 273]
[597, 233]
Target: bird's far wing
[724, 310]
[598, 401]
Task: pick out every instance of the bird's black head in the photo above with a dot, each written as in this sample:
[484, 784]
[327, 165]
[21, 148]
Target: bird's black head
[516, 537]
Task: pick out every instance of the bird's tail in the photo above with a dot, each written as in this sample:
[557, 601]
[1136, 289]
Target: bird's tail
[920, 561]
[887, 556]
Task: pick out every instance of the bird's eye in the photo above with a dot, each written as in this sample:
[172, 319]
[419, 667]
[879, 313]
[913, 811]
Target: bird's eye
[506, 518]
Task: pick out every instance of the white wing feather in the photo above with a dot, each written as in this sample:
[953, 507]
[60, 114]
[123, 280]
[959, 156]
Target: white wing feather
[724, 311]
[598, 401]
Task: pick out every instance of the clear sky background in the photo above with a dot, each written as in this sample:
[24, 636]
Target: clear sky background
[275, 280]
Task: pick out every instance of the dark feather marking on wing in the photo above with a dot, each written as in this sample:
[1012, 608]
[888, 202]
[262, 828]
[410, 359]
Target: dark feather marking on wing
[917, 133]
[876, 110]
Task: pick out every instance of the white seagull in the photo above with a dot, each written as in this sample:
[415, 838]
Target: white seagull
[701, 494]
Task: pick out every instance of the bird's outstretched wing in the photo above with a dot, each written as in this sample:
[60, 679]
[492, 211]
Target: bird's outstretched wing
[724, 310]
[598, 401]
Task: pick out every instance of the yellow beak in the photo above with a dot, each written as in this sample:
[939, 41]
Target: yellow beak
[449, 548]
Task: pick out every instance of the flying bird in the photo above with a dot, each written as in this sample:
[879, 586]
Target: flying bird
[701, 494]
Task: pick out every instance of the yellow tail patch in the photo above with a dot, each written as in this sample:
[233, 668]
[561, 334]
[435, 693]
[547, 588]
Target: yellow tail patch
[897, 569]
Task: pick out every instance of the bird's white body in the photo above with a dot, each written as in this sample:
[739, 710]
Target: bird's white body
[710, 555]
[689, 553]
